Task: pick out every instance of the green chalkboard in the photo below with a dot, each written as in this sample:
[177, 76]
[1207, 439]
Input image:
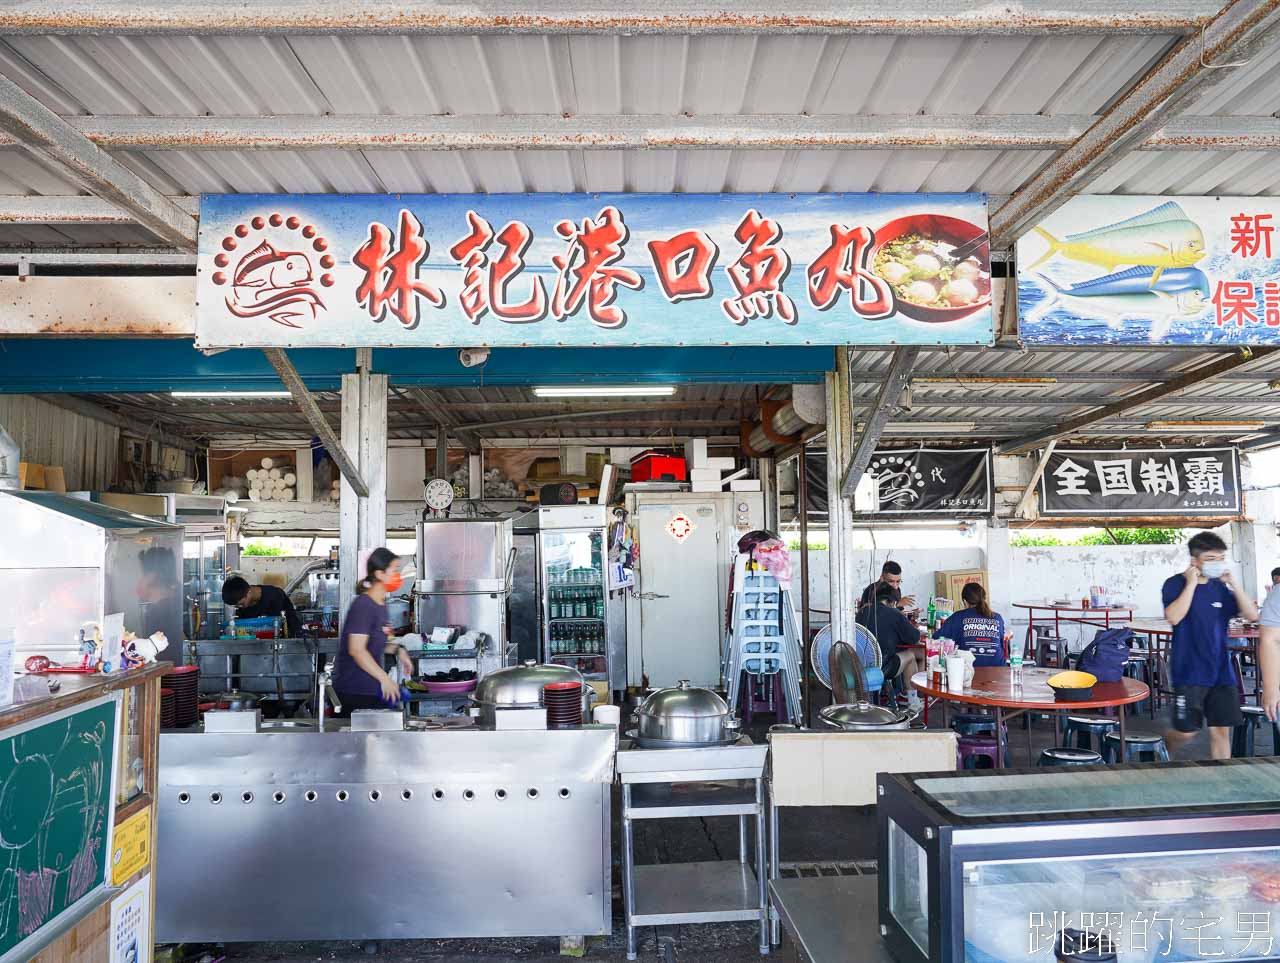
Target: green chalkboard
[55, 816]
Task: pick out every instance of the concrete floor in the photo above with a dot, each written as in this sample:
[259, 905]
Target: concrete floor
[828, 835]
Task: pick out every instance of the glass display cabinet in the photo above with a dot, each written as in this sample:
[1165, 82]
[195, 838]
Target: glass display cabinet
[1165, 862]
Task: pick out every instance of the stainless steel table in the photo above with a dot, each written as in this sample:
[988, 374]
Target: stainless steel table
[831, 919]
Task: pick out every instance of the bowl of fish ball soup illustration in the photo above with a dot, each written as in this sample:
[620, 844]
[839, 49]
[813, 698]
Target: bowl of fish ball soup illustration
[915, 254]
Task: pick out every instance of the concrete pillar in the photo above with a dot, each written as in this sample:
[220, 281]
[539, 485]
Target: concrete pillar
[362, 521]
[1000, 568]
[844, 576]
[1255, 542]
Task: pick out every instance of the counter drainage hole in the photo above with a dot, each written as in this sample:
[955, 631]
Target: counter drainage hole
[309, 795]
[342, 795]
[184, 797]
[438, 794]
[501, 794]
[246, 797]
[374, 795]
[278, 796]
[215, 797]
[468, 794]
[532, 794]
[407, 795]
[564, 793]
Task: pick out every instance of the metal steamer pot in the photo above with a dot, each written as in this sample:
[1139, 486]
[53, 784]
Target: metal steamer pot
[520, 687]
[865, 717]
[236, 701]
[685, 716]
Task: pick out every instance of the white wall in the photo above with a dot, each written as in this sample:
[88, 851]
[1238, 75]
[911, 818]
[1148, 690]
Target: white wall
[918, 566]
[254, 568]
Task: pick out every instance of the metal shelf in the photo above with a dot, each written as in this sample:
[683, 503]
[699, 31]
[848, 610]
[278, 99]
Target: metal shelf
[444, 653]
[714, 892]
[576, 618]
[577, 655]
[663, 801]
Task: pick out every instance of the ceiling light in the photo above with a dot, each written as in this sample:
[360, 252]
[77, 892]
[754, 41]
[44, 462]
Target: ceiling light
[603, 391]
[1204, 427]
[228, 394]
[1028, 382]
[918, 427]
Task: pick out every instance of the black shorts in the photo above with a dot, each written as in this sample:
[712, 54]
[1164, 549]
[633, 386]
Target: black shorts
[1217, 706]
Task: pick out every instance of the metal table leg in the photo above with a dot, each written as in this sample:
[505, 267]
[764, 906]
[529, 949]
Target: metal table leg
[1124, 746]
[762, 869]
[742, 840]
[775, 934]
[628, 871]
[999, 714]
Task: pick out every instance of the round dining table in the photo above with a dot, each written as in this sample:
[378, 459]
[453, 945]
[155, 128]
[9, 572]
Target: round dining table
[992, 687]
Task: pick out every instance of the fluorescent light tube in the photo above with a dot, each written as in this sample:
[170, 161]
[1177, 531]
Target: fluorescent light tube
[603, 391]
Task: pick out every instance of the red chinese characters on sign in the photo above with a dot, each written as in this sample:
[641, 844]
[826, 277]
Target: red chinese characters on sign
[391, 273]
[843, 266]
[485, 281]
[759, 272]
[1251, 235]
[587, 271]
[683, 265]
[1235, 302]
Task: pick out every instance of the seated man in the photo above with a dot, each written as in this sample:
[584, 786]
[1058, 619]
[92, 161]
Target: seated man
[890, 575]
[255, 601]
[892, 629]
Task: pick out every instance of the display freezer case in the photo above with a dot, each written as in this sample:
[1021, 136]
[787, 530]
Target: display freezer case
[1173, 862]
[204, 568]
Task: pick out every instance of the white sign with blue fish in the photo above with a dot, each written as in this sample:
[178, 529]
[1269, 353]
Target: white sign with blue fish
[1152, 270]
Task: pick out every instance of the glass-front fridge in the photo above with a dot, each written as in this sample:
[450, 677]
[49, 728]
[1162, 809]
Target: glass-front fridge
[573, 557]
[204, 567]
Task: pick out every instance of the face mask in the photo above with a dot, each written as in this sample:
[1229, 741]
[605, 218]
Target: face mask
[1214, 569]
[393, 581]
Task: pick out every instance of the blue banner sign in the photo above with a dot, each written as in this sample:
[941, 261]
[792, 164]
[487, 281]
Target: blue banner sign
[454, 270]
[1152, 271]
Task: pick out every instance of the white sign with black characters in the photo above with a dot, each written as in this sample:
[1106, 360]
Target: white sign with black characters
[1144, 481]
[933, 481]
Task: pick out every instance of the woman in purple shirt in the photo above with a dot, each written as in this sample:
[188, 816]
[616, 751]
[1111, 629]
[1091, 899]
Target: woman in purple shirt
[358, 676]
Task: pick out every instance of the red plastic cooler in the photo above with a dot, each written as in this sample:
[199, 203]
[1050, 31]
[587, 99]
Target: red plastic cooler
[658, 466]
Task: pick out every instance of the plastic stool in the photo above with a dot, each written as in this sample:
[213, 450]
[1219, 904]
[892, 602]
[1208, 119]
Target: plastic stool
[1136, 747]
[971, 749]
[973, 724]
[1140, 669]
[1069, 756]
[1085, 728]
[1050, 650]
[1243, 735]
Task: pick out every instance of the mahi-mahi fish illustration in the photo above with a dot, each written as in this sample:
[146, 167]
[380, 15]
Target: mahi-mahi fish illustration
[1179, 293]
[274, 283]
[1163, 237]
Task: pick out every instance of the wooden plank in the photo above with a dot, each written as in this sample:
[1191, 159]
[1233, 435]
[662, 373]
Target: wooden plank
[76, 690]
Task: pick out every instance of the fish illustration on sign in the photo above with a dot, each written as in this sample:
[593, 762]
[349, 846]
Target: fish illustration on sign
[273, 283]
[1177, 293]
[1163, 237]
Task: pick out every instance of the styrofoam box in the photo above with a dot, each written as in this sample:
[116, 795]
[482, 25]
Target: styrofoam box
[706, 486]
[695, 452]
[719, 464]
[704, 474]
[745, 485]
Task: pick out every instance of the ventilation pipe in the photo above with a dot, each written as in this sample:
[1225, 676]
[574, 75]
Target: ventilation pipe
[8, 462]
[783, 422]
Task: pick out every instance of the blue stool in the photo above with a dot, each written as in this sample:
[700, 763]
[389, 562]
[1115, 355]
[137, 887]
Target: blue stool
[1086, 729]
[973, 724]
[1139, 668]
[1051, 650]
[1069, 756]
[1243, 736]
[1135, 748]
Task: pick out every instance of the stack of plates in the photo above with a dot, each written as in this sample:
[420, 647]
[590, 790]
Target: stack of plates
[168, 709]
[184, 680]
[563, 701]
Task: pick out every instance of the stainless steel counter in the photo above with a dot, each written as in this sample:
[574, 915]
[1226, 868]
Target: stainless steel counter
[832, 919]
[383, 835]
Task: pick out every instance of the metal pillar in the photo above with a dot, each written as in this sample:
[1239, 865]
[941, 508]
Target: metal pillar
[844, 575]
[362, 521]
[802, 508]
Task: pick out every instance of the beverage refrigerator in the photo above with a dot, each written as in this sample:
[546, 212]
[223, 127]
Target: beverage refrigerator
[579, 623]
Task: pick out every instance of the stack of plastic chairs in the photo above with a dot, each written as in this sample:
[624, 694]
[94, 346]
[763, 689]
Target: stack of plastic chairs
[764, 638]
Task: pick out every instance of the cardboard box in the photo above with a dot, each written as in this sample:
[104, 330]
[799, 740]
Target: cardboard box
[151, 505]
[545, 468]
[950, 584]
[55, 480]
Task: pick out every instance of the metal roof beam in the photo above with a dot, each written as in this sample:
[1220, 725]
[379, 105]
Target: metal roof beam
[647, 131]
[886, 403]
[54, 141]
[1196, 376]
[962, 17]
[1068, 402]
[1135, 116]
[315, 417]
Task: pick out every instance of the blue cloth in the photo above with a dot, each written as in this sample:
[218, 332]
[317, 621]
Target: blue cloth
[1200, 655]
[365, 617]
[982, 636]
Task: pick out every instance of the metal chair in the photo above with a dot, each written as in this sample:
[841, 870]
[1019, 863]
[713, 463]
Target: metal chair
[1135, 748]
[1069, 756]
[1086, 729]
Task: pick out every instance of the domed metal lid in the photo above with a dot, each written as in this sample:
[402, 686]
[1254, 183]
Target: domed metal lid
[521, 685]
[684, 701]
[861, 714]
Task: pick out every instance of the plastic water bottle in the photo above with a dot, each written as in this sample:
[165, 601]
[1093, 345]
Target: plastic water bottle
[1015, 670]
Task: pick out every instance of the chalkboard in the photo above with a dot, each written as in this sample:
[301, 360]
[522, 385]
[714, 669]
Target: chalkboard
[55, 816]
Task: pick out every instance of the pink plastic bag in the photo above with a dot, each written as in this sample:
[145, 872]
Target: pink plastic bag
[775, 558]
